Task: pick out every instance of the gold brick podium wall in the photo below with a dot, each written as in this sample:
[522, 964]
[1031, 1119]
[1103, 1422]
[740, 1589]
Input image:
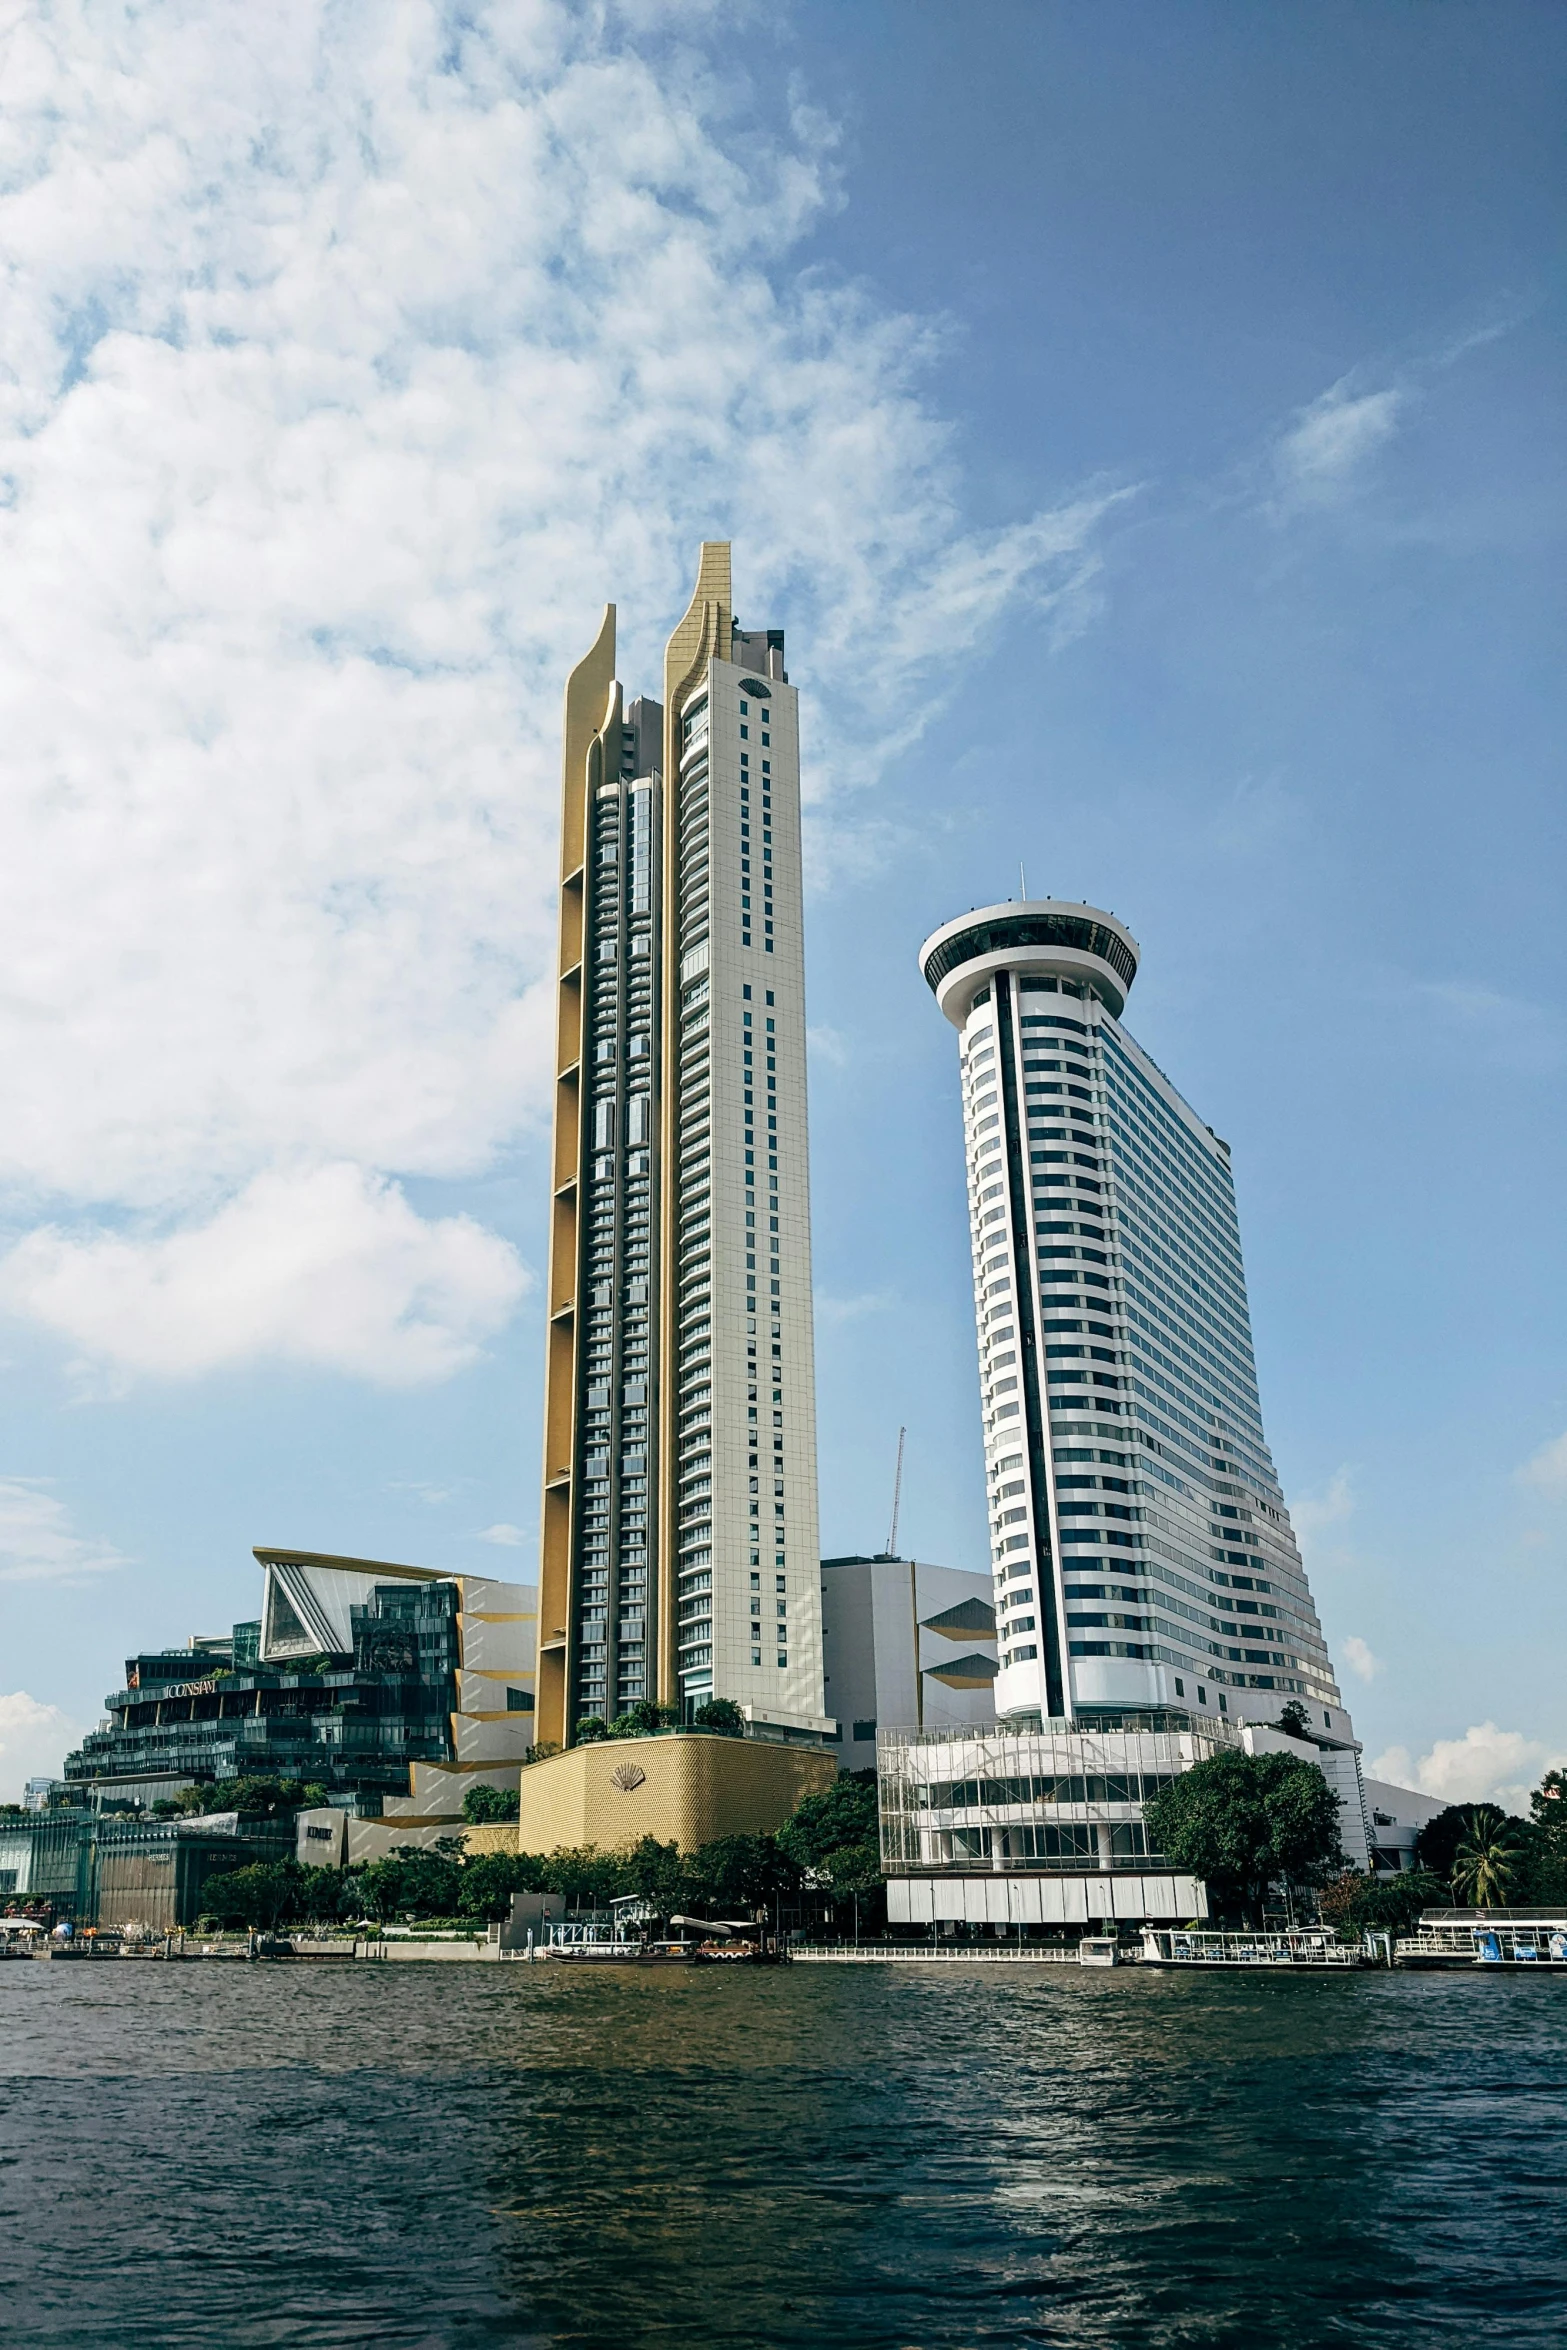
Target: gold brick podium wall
[685, 1790]
[486, 1836]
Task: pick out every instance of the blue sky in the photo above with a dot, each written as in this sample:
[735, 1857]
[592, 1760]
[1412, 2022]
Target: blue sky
[1146, 424]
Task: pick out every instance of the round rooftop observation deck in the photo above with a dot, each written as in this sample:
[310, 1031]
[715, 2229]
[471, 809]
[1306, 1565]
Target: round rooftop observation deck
[1076, 942]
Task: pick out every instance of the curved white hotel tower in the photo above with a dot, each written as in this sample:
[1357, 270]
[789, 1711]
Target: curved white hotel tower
[1143, 1557]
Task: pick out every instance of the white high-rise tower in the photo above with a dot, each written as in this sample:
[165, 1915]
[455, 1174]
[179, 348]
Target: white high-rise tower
[1143, 1556]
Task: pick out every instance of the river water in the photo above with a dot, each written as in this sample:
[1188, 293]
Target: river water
[879, 2158]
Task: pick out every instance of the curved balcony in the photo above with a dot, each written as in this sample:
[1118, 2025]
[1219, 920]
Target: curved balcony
[1079, 943]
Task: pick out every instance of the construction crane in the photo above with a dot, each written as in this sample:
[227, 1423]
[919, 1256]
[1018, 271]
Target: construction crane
[897, 1496]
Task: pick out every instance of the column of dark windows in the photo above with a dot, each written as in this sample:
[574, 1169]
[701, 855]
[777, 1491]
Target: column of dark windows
[692, 1271]
[1028, 1345]
[598, 1287]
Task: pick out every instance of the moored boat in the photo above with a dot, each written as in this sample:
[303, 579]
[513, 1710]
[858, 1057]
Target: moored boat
[1167, 1946]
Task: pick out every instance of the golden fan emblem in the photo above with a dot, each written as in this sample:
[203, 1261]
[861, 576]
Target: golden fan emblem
[627, 1776]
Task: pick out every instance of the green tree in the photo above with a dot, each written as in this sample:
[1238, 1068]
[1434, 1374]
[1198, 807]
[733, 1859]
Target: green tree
[742, 1873]
[431, 1874]
[1436, 1844]
[1242, 1822]
[1543, 1872]
[1541, 1881]
[835, 1837]
[255, 1798]
[1548, 1811]
[378, 1886]
[719, 1713]
[486, 1883]
[592, 1730]
[265, 1894]
[642, 1719]
[413, 1881]
[481, 1804]
[1294, 1720]
[853, 1871]
[325, 1895]
[586, 1876]
[1382, 1904]
[844, 1813]
[1487, 1861]
[657, 1875]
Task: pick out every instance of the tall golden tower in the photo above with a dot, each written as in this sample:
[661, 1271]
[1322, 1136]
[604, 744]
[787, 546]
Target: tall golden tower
[679, 1541]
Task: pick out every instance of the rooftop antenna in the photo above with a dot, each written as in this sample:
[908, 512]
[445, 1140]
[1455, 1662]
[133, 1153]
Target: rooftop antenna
[897, 1496]
[1022, 879]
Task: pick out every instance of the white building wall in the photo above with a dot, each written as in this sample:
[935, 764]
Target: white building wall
[875, 1629]
[1395, 1817]
[1042, 1901]
[763, 1402]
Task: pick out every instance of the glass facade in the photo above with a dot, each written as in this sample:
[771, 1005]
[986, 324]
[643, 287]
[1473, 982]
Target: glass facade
[1061, 1799]
[351, 1723]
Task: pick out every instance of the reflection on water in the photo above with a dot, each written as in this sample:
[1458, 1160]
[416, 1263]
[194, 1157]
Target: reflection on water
[934, 2159]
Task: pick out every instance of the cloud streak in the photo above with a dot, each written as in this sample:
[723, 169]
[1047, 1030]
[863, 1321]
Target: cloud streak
[1546, 1470]
[1322, 458]
[40, 1544]
[1312, 1514]
[1323, 454]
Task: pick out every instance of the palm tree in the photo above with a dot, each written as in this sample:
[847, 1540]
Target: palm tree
[1486, 1862]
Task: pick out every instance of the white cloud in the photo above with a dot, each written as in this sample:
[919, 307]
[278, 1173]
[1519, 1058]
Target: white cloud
[1509, 1031]
[1312, 1513]
[354, 359]
[836, 1311]
[1359, 1658]
[828, 1045]
[34, 1741]
[330, 1268]
[1546, 1470]
[1485, 1765]
[39, 1543]
[509, 1537]
[1326, 448]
